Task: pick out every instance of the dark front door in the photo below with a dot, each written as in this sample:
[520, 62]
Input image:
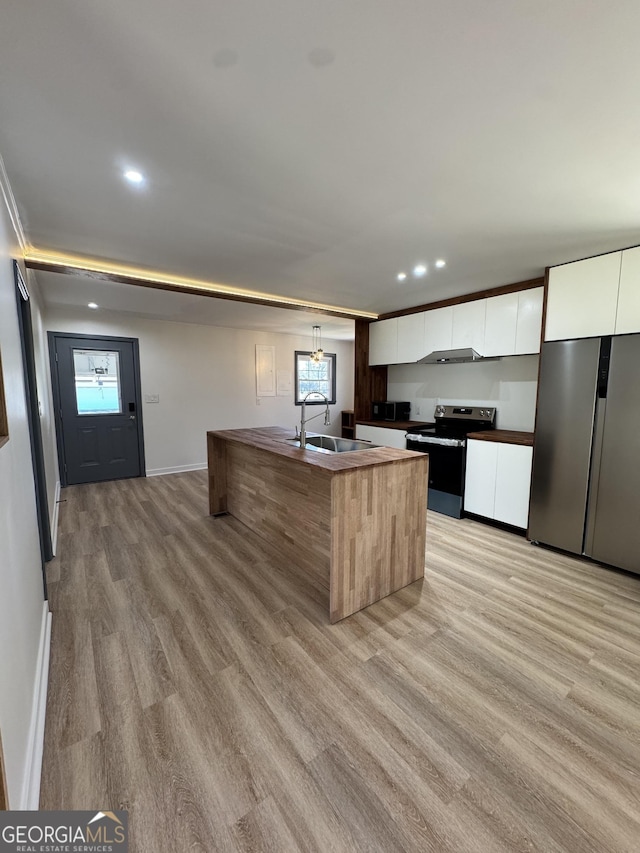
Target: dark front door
[97, 390]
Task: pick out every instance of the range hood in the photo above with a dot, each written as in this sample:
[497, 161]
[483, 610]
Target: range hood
[451, 356]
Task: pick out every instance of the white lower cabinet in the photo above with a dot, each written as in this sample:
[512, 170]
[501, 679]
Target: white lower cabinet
[382, 435]
[498, 481]
[480, 477]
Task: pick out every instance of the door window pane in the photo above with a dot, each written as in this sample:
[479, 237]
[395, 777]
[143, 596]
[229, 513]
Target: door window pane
[97, 380]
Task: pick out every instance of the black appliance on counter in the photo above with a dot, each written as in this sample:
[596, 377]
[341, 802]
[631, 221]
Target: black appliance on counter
[446, 444]
[388, 410]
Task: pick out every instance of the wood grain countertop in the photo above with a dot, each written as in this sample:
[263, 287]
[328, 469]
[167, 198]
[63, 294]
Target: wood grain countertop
[274, 440]
[404, 425]
[356, 522]
[504, 436]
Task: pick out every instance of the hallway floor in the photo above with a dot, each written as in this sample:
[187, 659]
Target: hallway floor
[196, 681]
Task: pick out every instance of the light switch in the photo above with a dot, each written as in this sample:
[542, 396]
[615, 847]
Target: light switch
[152, 398]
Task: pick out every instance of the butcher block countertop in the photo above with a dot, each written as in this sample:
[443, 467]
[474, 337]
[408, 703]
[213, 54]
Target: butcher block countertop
[274, 439]
[355, 521]
[504, 436]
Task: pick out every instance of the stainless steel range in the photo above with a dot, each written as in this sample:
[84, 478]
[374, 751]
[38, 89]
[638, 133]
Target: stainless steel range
[446, 444]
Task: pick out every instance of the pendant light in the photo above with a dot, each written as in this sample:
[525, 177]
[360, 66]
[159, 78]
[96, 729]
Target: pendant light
[318, 353]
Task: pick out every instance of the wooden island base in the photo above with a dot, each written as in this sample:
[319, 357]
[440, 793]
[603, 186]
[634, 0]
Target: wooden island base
[355, 521]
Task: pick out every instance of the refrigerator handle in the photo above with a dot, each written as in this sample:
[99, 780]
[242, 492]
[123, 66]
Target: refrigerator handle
[594, 471]
[596, 447]
[603, 366]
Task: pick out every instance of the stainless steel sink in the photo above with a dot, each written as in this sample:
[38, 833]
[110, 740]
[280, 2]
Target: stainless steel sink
[332, 444]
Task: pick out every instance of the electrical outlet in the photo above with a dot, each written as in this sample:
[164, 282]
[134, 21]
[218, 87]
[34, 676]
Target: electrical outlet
[152, 398]
[417, 410]
[257, 401]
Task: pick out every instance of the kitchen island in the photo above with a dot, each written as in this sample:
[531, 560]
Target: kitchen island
[356, 521]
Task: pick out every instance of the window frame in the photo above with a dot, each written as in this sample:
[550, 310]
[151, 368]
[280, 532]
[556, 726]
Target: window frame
[330, 358]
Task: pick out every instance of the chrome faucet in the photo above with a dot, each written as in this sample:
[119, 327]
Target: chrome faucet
[304, 418]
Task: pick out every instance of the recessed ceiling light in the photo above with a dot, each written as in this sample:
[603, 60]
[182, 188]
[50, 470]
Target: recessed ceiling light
[401, 276]
[92, 305]
[419, 270]
[134, 176]
[440, 263]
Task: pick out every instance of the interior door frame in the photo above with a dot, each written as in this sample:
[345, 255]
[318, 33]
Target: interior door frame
[25, 328]
[52, 336]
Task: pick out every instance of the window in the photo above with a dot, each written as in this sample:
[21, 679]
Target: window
[312, 376]
[97, 380]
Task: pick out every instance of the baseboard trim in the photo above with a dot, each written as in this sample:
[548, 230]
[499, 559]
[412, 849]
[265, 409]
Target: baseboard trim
[31, 789]
[178, 469]
[54, 520]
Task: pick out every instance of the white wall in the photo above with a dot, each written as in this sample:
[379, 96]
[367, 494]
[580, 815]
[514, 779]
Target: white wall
[22, 610]
[509, 384]
[205, 377]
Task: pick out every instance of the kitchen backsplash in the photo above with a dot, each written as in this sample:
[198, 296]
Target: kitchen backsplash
[509, 384]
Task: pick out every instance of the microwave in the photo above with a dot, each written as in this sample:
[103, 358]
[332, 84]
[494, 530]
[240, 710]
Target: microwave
[389, 410]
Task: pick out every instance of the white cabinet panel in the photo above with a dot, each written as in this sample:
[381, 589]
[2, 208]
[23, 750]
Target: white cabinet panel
[529, 323]
[480, 479]
[498, 481]
[438, 329]
[383, 342]
[513, 484]
[582, 298]
[468, 325]
[500, 325]
[265, 371]
[382, 435]
[410, 337]
[628, 316]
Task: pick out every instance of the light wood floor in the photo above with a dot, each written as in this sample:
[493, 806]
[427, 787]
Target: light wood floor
[195, 680]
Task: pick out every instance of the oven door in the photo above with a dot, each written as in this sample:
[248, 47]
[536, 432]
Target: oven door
[446, 472]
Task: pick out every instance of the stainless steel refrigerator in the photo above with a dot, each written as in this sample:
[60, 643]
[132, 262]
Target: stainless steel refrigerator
[585, 490]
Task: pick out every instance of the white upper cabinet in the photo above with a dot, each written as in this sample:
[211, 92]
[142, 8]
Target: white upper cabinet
[582, 298]
[501, 324]
[468, 325]
[628, 315]
[410, 337]
[438, 329]
[513, 323]
[529, 325]
[383, 342]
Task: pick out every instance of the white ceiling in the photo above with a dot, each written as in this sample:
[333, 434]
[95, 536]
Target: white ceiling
[314, 148]
[74, 291]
